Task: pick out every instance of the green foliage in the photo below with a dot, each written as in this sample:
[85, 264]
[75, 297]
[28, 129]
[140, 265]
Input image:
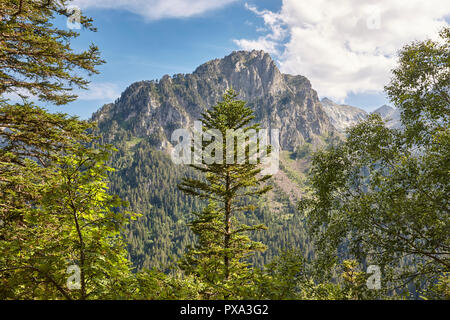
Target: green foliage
[94, 222]
[72, 222]
[302, 151]
[440, 289]
[282, 278]
[31, 142]
[147, 179]
[36, 57]
[154, 285]
[420, 88]
[55, 211]
[292, 277]
[382, 195]
[218, 258]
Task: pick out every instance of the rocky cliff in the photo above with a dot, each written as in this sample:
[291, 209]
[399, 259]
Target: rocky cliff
[342, 116]
[280, 101]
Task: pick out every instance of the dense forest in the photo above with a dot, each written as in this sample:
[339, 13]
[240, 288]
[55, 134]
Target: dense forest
[94, 211]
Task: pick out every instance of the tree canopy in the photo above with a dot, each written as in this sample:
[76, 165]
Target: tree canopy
[382, 195]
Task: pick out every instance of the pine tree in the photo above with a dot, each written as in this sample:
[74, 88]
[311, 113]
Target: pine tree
[36, 58]
[219, 257]
[54, 208]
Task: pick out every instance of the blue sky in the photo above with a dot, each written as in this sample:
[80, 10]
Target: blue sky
[163, 37]
[137, 49]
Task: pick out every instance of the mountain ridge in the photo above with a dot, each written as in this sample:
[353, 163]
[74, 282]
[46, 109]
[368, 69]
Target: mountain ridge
[282, 101]
[343, 116]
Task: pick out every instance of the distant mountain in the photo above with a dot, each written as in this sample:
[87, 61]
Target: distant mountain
[282, 101]
[390, 115]
[344, 116]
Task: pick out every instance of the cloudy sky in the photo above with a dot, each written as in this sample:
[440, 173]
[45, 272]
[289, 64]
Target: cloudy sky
[345, 47]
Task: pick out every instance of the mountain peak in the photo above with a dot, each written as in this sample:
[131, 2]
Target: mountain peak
[258, 60]
[325, 100]
[390, 115]
[259, 54]
[384, 110]
[280, 101]
[253, 72]
[342, 116]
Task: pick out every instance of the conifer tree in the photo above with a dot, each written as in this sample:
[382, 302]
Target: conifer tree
[219, 257]
[36, 57]
[54, 208]
[37, 60]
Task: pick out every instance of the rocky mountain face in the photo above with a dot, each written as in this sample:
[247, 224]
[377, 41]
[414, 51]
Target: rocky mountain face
[285, 102]
[344, 116]
[390, 115]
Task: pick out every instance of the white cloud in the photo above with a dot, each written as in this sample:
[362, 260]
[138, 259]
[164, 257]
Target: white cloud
[157, 9]
[97, 91]
[270, 41]
[104, 91]
[259, 44]
[348, 45]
